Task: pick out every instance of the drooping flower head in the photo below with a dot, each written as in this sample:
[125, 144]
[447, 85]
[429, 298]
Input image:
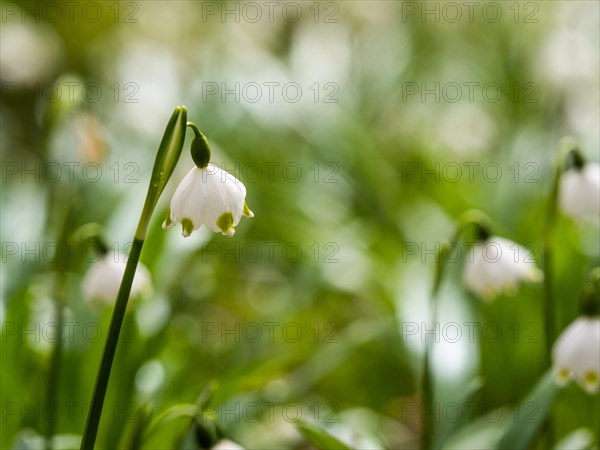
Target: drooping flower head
[207, 195]
[576, 353]
[579, 194]
[102, 281]
[497, 265]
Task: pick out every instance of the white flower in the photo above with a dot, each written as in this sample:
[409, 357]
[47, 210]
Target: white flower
[226, 444]
[497, 265]
[576, 353]
[208, 196]
[103, 279]
[579, 193]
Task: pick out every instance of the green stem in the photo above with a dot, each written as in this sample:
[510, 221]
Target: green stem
[93, 420]
[568, 157]
[52, 393]
[549, 302]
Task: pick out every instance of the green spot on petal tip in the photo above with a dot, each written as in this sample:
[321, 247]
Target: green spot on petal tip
[225, 223]
[167, 223]
[247, 211]
[187, 227]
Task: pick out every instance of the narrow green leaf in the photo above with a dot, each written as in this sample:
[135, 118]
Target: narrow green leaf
[450, 428]
[175, 412]
[319, 437]
[529, 415]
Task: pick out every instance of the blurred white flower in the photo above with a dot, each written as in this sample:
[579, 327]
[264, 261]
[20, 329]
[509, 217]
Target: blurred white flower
[579, 193]
[103, 279]
[498, 265]
[30, 52]
[576, 353]
[209, 196]
[226, 444]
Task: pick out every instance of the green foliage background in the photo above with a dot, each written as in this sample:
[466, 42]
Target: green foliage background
[338, 210]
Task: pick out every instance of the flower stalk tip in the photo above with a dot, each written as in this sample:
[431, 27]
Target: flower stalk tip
[589, 299]
[479, 220]
[574, 160]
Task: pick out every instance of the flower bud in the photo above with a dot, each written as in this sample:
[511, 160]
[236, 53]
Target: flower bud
[167, 156]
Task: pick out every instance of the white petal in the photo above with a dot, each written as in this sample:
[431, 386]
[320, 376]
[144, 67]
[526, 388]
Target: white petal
[183, 202]
[475, 272]
[220, 193]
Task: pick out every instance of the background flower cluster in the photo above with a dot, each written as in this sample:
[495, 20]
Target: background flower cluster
[362, 131]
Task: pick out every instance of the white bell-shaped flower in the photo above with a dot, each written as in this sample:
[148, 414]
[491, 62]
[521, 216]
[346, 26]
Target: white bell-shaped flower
[102, 281]
[579, 193]
[497, 265]
[208, 196]
[576, 353]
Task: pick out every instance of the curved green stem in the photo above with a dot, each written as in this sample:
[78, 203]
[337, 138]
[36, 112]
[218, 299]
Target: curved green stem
[197, 133]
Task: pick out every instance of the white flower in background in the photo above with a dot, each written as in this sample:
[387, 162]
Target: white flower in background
[226, 444]
[103, 279]
[576, 353]
[579, 193]
[208, 196]
[498, 265]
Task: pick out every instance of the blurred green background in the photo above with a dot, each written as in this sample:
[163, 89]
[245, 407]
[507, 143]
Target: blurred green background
[362, 130]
